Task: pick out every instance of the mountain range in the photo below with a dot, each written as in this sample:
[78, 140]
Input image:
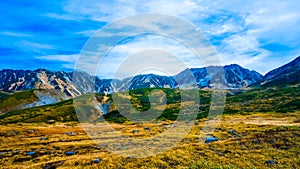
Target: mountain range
[236, 77]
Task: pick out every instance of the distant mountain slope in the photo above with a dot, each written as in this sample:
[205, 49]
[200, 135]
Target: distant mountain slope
[15, 80]
[286, 74]
[148, 81]
[18, 80]
[235, 76]
[62, 111]
[17, 101]
[29, 98]
[20, 89]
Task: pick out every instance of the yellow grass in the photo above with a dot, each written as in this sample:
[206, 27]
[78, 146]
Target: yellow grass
[258, 138]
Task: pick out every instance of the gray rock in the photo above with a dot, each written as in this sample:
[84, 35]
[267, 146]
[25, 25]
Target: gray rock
[271, 162]
[97, 160]
[70, 153]
[31, 153]
[44, 138]
[233, 132]
[211, 139]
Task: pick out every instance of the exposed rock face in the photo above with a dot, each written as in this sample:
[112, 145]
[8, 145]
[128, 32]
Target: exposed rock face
[16, 80]
[60, 85]
[286, 74]
[235, 77]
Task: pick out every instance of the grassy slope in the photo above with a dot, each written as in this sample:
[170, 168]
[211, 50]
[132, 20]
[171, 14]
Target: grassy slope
[260, 136]
[62, 111]
[256, 100]
[10, 102]
[3, 96]
[286, 99]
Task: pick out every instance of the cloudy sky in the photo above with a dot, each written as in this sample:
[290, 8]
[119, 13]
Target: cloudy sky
[259, 35]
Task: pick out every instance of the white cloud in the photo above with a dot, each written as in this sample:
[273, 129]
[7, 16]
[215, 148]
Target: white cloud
[274, 18]
[17, 34]
[242, 49]
[111, 10]
[87, 32]
[240, 27]
[144, 46]
[33, 46]
[67, 59]
[148, 61]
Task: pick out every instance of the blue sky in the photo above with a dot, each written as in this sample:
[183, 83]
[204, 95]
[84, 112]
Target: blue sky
[50, 34]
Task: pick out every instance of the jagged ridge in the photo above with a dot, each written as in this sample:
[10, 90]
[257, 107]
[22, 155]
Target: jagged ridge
[17, 80]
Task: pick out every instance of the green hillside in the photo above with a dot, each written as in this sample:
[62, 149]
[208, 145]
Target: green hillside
[286, 99]
[280, 100]
[62, 111]
[3, 96]
[12, 101]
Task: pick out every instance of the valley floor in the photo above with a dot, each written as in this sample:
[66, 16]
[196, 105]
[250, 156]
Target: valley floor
[258, 140]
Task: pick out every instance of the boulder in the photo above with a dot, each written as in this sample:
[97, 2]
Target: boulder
[51, 121]
[233, 132]
[70, 153]
[135, 131]
[70, 133]
[97, 160]
[211, 139]
[30, 153]
[44, 138]
[271, 162]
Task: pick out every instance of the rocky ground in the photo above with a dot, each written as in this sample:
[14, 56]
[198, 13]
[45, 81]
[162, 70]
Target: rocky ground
[257, 140]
